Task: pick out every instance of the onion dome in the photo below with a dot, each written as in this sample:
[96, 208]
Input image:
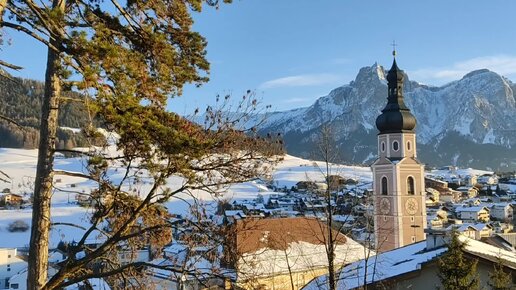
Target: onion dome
[395, 117]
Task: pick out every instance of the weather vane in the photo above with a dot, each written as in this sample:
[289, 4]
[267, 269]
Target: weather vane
[393, 48]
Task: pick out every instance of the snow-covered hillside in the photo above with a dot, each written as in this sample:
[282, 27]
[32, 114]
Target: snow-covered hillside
[20, 165]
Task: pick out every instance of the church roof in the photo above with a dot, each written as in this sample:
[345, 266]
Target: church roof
[395, 117]
[395, 160]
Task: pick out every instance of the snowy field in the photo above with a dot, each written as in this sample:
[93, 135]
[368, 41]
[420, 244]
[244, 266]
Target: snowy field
[20, 166]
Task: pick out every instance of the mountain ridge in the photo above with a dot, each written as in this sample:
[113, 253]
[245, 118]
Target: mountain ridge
[479, 110]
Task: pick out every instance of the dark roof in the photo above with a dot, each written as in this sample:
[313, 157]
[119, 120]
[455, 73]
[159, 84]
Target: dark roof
[395, 117]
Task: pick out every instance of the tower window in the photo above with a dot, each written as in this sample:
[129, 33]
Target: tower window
[384, 186]
[410, 185]
[383, 146]
[408, 146]
[395, 146]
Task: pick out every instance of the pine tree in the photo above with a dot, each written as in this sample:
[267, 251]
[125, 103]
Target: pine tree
[132, 56]
[456, 272]
[498, 278]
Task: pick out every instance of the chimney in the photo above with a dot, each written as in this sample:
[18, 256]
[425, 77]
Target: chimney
[436, 238]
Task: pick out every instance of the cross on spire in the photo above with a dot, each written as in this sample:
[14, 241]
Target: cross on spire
[394, 48]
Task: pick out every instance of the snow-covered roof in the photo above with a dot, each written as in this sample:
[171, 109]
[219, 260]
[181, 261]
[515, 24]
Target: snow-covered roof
[471, 208]
[500, 205]
[387, 264]
[405, 260]
[465, 226]
[229, 213]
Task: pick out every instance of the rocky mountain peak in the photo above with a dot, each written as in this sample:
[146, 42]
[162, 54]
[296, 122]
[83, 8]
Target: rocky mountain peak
[455, 121]
[371, 74]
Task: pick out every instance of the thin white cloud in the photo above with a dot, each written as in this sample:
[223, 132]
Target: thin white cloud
[301, 81]
[297, 100]
[502, 64]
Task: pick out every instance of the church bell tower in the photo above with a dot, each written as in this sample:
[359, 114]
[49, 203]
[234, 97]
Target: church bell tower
[398, 177]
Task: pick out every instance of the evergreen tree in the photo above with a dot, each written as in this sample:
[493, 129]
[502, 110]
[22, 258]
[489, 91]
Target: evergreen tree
[456, 272]
[132, 56]
[498, 278]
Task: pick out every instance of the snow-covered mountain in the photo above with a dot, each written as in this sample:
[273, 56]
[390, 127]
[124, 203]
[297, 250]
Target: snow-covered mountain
[469, 122]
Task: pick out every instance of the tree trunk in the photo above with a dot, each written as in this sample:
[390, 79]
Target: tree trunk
[39, 239]
[289, 271]
[331, 241]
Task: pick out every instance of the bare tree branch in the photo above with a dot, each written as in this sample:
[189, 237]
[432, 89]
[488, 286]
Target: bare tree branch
[73, 174]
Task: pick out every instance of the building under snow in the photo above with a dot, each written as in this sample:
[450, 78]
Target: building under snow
[415, 266]
[275, 253]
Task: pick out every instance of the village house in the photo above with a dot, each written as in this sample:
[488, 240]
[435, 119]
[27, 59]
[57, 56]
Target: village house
[232, 216]
[473, 201]
[450, 196]
[501, 227]
[471, 180]
[453, 180]
[268, 253]
[437, 218]
[501, 211]
[19, 281]
[509, 237]
[434, 222]
[436, 184]
[336, 182]
[488, 179]
[500, 196]
[475, 231]
[432, 195]
[193, 271]
[10, 264]
[311, 186]
[83, 199]
[500, 242]
[472, 213]
[468, 191]
[13, 271]
[11, 199]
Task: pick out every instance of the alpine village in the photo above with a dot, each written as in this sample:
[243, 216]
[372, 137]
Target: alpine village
[383, 183]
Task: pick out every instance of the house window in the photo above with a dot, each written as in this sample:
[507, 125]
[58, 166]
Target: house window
[384, 186]
[14, 286]
[410, 185]
[395, 146]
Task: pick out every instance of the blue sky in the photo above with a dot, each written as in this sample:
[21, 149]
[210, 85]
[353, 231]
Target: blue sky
[290, 52]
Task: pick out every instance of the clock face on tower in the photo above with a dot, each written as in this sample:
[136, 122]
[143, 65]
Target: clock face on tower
[411, 206]
[385, 205]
